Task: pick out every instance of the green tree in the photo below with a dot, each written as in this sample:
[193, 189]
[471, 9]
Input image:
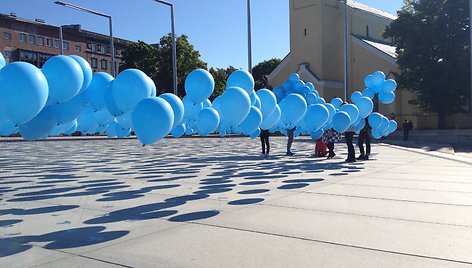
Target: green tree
[140, 56]
[432, 41]
[220, 75]
[261, 70]
[188, 59]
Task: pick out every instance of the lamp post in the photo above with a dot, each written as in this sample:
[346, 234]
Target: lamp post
[470, 32]
[174, 47]
[249, 49]
[112, 46]
[61, 38]
[345, 51]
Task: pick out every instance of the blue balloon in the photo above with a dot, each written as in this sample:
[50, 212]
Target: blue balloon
[341, 121]
[390, 85]
[332, 111]
[368, 81]
[62, 128]
[23, 91]
[129, 88]
[208, 120]
[375, 120]
[316, 134]
[321, 101]
[368, 92]
[97, 90]
[242, 79]
[359, 126]
[355, 96]
[8, 128]
[258, 103]
[177, 107]
[279, 93]
[378, 78]
[316, 117]
[3, 118]
[311, 98]
[376, 134]
[71, 109]
[103, 117]
[392, 126]
[386, 97]
[310, 86]
[191, 109]
[40, 126]
[153, 86]
[65, 77]
[352, 111]
[270, 121]
[365, 106]
[86, 122]
[255, 134]
[268, 101]
[125, 120]
[111, 129]
[152, 119]
[293, 109]
[337, 102]
[122, 132]
[384, 126]
[206, 103]
[188, 131]
[110, 102]
[199, 85]
[294, 77]
[178, 131]
[86, 70]
[235, 106]
[252, 121]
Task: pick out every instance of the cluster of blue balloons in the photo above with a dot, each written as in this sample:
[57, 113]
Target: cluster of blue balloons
[376, 84]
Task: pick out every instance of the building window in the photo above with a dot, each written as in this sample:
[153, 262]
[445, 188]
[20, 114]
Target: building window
[78, 48]
[57, 43]
[94, 47]
[367, 34]
[7, 53]
[40, 41]
[66, 45]
[108, 49]
[31, 38]
[104, 64]
[6, 35]
[103, 49]
[49, 42]
[22, 37]
[94, 63]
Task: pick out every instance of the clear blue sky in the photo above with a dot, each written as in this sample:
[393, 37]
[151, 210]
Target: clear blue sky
[217, 28]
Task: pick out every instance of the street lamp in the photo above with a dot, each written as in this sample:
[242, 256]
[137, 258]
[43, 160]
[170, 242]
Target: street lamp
[174, 48]
[249, 50]
[61, 46]
[112, 46]
[345, 51]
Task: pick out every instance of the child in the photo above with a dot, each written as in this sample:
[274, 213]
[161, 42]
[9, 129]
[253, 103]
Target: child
[320, 148]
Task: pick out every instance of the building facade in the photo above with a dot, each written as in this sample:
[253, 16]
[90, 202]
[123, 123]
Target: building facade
[317, 55]
[35, 42]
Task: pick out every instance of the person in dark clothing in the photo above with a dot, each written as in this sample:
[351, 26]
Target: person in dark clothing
[265, 142]
[330, 136]
[407, 126]
[290, 133]
[351, 154]
[364, 137]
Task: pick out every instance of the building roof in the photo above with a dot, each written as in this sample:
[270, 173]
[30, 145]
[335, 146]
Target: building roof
[369, 9]
[387, 49]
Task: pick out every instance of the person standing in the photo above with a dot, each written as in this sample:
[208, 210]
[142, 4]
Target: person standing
[351, 154]
[364, 137]
[265, 142]
[330, 136]
[406, 129]
[290, 134]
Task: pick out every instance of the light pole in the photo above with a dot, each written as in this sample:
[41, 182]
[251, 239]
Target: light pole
[470, 32]
[174, 47]
[61, 39]
[112, 46]
[249, 49]
[345, 51]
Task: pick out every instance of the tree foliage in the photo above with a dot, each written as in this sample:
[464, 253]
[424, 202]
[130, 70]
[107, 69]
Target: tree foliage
[262, 69]
[188, 59]
[220, 75]
[432, 40]
[140, 56]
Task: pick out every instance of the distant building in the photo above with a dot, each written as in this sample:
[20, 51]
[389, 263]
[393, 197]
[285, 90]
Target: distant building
[35, 42]
[317, 54]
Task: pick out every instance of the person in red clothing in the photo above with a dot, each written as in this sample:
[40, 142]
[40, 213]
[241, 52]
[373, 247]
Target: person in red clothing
[320, 148]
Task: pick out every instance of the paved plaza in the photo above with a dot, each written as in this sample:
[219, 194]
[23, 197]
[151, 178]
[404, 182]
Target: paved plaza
[217, 202]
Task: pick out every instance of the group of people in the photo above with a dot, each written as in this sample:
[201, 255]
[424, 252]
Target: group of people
[325, 145]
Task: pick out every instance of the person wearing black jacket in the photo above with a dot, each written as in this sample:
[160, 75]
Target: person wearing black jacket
[364, 137]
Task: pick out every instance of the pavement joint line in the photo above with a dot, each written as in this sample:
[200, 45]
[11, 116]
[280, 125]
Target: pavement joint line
[435, 154]
[391, 199]
[400, 180]
[365, 215]
[92, 258]
[404, 188]
[333, 243]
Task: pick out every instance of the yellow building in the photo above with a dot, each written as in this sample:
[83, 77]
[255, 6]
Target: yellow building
[317, 54]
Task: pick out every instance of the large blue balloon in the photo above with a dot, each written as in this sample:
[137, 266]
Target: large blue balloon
[268, 101]
[235, 106]
[152, 119]
[316, 116]
[178, 131]
[279, 93]
[242, 79]
[352, 111]
[368, 81]
[293, 109]
[375, 120]
[378, 78]
[177, 107]
[341, 121]
[110, 102]
[255, 134]
[65, 77]
[392, 126]
[86, 70]
[129, 88]
[23, 91]
[368, 92]
[40, 126]
[386, 97]
[337, 102]
[252, 121]
[199, 85]
[86, 121]
[355, 96]
[365, 106]
[96, 92]
[208, 120]
[270, 121]
[71, 109]
[390, 85]
[191, 109]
